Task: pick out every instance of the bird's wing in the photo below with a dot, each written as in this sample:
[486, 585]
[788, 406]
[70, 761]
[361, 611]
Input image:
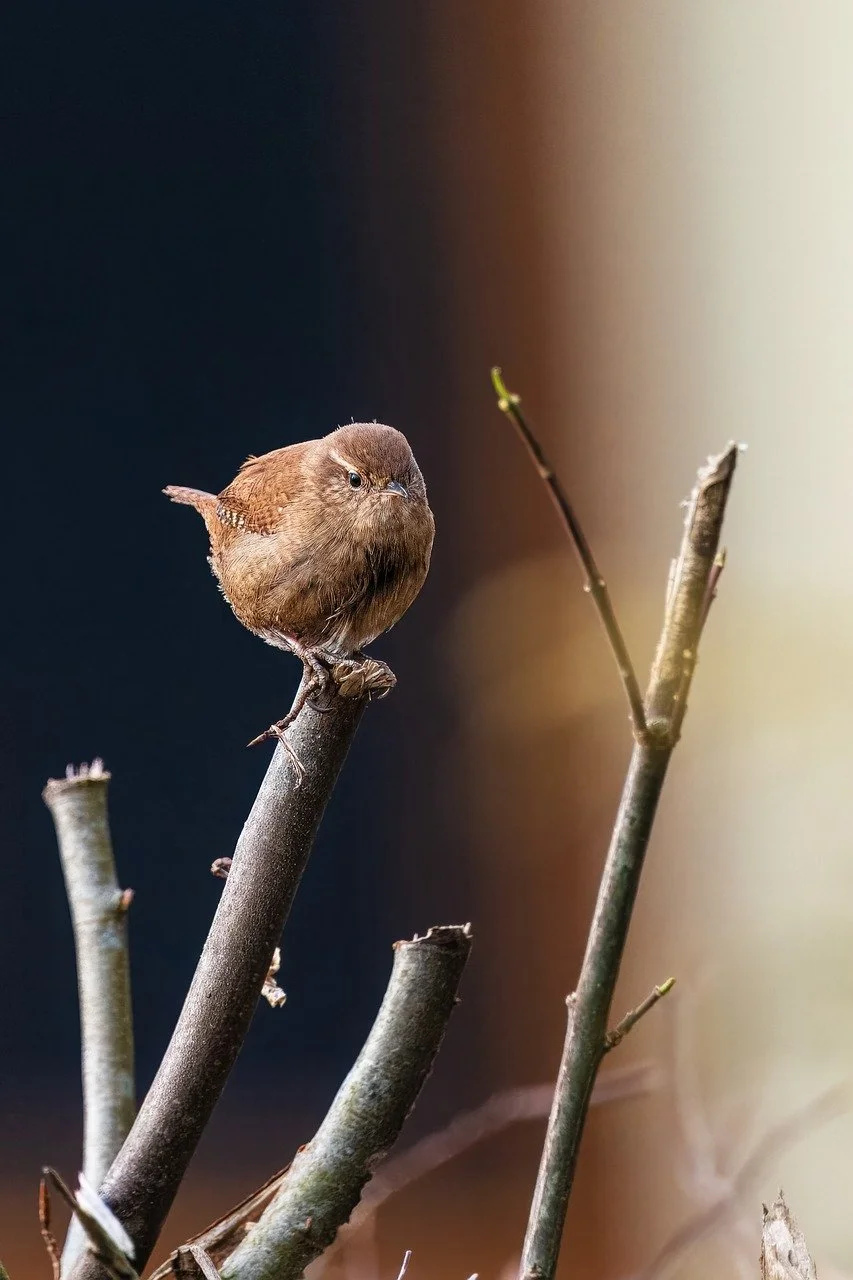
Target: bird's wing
[258, 496]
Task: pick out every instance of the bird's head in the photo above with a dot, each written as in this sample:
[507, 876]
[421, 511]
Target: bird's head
[369, 471]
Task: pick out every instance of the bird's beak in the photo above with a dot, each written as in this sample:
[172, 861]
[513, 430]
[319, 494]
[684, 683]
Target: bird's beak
[394, 486]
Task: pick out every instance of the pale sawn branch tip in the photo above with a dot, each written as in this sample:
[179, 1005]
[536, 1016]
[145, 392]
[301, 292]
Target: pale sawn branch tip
[594, 584]
[78, 806]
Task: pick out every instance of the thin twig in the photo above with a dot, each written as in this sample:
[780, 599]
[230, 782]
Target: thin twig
[510, 404]
[404, 1265]
[326, 1178]
[110, 1248]
[78, 805]
[269, 860]
[220, 1238]
[589, 1006]
[204, 1263]
[46, 1233]
[619, 1032]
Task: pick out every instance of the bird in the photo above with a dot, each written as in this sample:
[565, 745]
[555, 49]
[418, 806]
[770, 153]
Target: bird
[319, 547]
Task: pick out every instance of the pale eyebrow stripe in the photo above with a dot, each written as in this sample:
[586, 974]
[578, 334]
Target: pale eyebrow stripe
[344, 462]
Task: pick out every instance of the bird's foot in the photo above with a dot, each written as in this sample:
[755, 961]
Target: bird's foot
[359, 675]
[354, 676]
[316, 679]
[279, 730]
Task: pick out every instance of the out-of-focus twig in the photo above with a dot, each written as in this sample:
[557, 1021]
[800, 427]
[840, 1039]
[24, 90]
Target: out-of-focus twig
[326, 1177]
[268, 863]
[78, 805]
[589, 1005]
[467, 1130]
[734, 1187]
[510, 404]
[528, 1102]
[510, 1106]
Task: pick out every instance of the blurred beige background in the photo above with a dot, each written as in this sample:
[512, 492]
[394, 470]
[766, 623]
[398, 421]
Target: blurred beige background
[651, 210]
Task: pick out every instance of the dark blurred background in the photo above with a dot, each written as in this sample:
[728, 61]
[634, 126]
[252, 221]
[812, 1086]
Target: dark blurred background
[228, 227]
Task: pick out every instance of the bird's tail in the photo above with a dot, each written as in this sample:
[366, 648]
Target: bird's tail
[204, 503]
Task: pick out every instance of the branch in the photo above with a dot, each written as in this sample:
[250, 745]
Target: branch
[594, 584]
[78, 805]
[589, 1006]
[619, 1032]
[269, 860]
[326, 1178]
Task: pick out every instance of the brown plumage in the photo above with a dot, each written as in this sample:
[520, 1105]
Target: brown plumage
[320, 547]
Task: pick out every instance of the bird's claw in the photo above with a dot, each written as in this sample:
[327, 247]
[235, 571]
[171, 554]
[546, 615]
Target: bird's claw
[357, 677]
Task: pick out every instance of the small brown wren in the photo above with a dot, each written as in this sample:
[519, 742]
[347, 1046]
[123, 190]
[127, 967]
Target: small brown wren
[320, 547]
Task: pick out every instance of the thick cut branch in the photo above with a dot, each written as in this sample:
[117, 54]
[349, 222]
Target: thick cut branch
[589, 1006]
[269, 860]
[324, 1183]
[78, 805]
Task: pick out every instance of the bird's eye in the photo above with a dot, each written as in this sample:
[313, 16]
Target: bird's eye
[355, 480]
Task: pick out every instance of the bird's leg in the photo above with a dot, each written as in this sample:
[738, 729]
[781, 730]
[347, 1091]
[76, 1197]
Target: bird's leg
[315, 679]
[355, 675]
